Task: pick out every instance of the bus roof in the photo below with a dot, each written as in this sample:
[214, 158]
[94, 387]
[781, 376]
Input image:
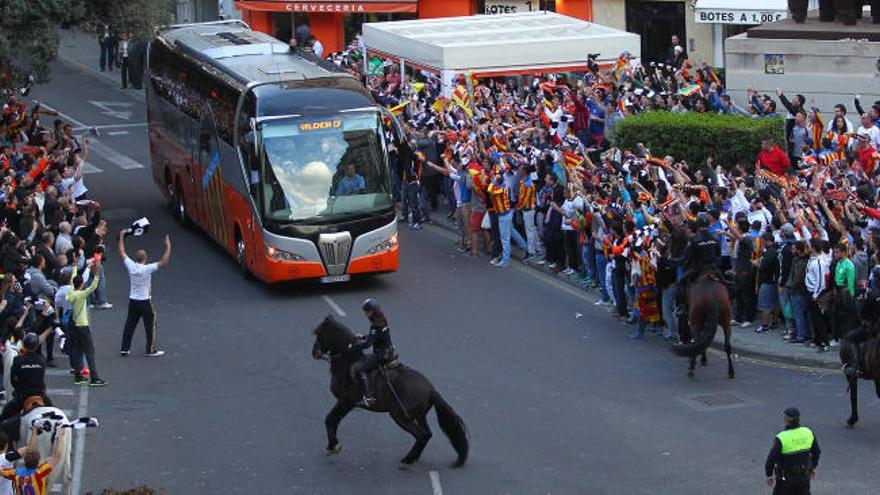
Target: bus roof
[245, 55]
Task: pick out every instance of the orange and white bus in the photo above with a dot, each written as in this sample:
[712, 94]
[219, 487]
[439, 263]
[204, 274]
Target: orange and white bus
[280, 157]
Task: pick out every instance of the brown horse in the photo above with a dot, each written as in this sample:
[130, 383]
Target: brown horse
[402, 392]
[709, 307]
[870, 371]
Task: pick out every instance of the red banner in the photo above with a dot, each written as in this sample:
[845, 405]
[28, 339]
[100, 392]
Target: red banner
[314, 7]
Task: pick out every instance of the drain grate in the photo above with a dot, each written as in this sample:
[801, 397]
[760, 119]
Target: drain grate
[719, 400]
[716, 401]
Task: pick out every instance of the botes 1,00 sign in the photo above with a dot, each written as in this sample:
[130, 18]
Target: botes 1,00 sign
[509, 6]
[738, 16]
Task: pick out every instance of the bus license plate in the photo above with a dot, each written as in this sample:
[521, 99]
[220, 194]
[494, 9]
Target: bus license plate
[332, 279]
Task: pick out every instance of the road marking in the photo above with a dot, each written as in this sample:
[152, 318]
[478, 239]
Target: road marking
[335, 307]
[63, 115]
[117, 133]
[435, 482]
[88, 168]
[114, 156]
[80, 447]
[59, 391]
[107, 108]
[109, 126]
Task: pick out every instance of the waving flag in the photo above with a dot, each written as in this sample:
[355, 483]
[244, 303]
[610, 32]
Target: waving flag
[398, 109]
[461, 98]
[689, 90]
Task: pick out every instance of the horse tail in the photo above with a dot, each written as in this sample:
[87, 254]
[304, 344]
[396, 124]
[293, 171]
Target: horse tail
[706, 335]
[453, 426]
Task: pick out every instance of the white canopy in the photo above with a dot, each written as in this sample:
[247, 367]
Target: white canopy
[499, 44]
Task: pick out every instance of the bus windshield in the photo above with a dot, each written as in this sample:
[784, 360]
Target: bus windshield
[318, 169]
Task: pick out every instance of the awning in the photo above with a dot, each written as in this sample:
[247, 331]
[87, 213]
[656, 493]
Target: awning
[740, 12]
[318, 6]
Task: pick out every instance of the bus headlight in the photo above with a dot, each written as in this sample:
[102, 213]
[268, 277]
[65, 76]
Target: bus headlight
[384, 246]
[282, 255]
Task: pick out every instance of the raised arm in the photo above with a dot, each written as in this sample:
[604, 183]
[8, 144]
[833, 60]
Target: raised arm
[121, 245]
[166, 257]
[58, 453]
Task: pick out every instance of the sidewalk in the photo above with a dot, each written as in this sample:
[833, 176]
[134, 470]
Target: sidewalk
[767, 347]
[80, 49]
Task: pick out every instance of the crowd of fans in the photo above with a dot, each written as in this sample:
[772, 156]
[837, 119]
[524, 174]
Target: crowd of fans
[51, 240]
[532, 160]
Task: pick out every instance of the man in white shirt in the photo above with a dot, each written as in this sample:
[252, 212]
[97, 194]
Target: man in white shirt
[839, 111]
[140, 299]
[869, 129]
[122, 58]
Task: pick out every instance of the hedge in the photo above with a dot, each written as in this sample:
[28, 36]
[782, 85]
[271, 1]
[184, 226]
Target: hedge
[693, 137]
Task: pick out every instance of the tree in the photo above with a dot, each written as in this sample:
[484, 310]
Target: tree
[29, 39]
[139, 17]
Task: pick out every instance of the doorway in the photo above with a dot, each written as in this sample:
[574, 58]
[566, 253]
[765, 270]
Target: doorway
[655, 22]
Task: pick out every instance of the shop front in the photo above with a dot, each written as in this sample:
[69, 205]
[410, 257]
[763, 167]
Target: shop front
[336, 23]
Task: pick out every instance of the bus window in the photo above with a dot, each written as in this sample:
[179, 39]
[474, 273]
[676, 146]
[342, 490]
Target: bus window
[324, 168]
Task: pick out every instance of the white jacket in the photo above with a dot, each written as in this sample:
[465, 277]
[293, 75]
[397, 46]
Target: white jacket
[817, 269]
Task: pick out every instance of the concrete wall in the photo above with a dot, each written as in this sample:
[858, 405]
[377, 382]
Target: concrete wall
[828, 71]
[611, 13]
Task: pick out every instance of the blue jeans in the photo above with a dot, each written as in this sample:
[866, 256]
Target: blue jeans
[588, 258]
[99, 296]
[505, 226]
[601, 263]
[799, 311]
[668, 308]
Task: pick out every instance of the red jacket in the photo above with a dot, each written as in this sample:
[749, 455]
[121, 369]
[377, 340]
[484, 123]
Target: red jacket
[774, 160]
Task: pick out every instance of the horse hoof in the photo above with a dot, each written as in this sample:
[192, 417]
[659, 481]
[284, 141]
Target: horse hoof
[334, 450]
[850, 424]
[731, 376]
[404, 466]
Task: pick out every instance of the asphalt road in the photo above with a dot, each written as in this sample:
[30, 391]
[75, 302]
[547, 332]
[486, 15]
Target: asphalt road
[554, 404]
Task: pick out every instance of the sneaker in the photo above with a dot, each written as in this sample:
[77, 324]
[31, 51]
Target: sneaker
[788, 336]
[416, 226]
[552, 266]
[124, 353]
[541, 262]
[600, 303]
[105, 305]
[501, 264]
[834, 343]
[745, 324]
[824, 348]
[155, 354]
[495, 260]
[762, 329]
[80, 380]
[735, 323]
[97, 382]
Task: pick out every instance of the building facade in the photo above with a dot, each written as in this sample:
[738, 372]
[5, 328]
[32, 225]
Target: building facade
[701, 25]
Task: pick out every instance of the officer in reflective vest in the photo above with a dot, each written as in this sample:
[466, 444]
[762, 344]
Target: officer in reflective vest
[793, 458]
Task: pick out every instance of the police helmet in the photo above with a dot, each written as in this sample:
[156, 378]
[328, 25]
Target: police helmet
[792, 413]
[703, 220]
[371, 305]
[31, 341]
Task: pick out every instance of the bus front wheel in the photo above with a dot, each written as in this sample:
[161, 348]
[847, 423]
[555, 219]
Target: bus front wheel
[241, 254]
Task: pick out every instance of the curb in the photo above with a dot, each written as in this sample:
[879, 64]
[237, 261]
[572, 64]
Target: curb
[717, 345]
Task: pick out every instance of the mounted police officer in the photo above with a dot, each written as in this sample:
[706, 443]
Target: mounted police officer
[379, 339]
[793, 458]
[701, 255]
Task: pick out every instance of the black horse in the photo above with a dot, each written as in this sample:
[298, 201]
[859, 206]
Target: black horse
[870, 371]
[408, 403]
